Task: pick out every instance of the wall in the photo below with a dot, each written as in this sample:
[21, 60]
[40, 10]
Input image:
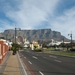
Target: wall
[3, 50]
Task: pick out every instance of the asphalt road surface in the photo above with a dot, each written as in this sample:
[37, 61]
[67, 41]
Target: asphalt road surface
[47, 64]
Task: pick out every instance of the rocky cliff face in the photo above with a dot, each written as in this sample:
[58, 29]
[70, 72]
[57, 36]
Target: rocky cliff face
[41, 34]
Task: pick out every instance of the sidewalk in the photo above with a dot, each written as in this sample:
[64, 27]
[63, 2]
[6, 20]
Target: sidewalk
[12, 66]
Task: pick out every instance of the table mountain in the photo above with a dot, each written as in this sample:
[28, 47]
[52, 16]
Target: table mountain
[40, 34]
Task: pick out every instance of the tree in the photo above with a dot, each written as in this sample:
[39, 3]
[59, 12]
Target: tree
[15, 47]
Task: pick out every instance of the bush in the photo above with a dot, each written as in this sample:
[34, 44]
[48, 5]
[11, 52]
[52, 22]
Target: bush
[15, 47]
[38, 50]
[73, 50]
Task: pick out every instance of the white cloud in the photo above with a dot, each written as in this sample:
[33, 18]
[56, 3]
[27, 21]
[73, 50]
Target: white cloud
[65, 23]
[6, 25]
[30, 13]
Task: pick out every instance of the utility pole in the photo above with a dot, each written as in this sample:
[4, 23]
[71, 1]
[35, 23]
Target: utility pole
[14, 51]
[63, 43]
[71, 38]
[15, 35]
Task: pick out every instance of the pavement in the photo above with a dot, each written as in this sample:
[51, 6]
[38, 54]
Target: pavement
[10, 65]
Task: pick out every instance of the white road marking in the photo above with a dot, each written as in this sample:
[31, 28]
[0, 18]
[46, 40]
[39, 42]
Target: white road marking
[34, 57]
[52, 56]
[41, 73]
[22, 65]
[29, 62]
[58, 61]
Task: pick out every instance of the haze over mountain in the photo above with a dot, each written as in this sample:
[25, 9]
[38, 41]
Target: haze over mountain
[40, 34]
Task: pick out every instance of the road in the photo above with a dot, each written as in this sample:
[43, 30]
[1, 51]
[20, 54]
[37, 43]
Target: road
[47, 64]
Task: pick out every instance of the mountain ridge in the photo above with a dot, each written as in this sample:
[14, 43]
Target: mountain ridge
[36, 34]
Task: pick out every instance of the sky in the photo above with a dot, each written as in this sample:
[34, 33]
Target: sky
[57, 15]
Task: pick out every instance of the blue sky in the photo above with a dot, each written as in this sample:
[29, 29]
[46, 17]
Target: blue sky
[59, 15]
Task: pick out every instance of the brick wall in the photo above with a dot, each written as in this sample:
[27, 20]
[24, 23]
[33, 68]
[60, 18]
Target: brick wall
[3, 50]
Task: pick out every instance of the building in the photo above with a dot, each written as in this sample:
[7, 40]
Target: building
[53, 42]
[26, 43]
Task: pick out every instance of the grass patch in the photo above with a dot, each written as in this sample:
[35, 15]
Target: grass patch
[48, 49]
[63, 53]
[38, 50]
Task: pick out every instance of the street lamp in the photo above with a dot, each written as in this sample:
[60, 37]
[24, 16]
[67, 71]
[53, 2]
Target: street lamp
[6, 37]
[16, 33]
[71, 38]
[63, 43]
[14, 51]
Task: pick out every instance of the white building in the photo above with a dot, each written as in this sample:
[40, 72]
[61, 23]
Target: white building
[8, 43]
[26, 43]
[53, 42]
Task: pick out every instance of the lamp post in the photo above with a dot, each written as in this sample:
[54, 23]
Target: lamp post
[15, 35]
[14, 51]
[63, 43]
[6, 36]
[71, 38]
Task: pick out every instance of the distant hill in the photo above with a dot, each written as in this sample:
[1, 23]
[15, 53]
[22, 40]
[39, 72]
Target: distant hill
[40, 34]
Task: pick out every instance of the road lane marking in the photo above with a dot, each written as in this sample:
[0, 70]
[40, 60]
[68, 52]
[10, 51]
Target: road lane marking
[41, 73]
[52, 56]
[34, 57]
[29, 62]
[58, 61]
[22, 65]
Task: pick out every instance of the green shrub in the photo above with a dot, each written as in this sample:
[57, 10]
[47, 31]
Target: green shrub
[38, 50]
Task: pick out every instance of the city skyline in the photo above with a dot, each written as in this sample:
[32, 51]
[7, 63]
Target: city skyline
[58, 15]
